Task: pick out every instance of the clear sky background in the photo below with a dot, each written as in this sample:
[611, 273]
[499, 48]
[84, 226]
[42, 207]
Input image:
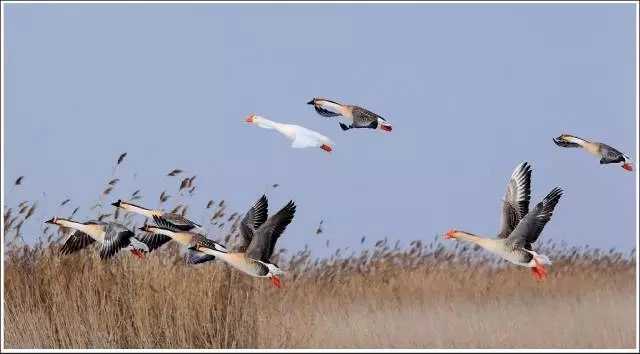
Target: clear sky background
[471, 90]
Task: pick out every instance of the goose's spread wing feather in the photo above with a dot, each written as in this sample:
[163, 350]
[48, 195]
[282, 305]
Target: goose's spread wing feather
[202, 241]
[153, 241]
[265, 238]
[175, 222]
[77, 241]
[255, 217]
[194, 257]
[530, 227]
[116, 237]
[516, 199]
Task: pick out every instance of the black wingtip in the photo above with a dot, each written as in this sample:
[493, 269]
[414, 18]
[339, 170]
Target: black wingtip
[313, 101]
[344, 126]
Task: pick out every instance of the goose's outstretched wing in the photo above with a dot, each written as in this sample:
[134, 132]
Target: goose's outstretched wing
[515, 204]
[265, 238]
[530, 227]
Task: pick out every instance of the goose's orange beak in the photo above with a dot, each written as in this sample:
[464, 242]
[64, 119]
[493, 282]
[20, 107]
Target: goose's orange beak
[275, 280]
[450, 234]
[326, 147]
[627, 166]
[249, 118]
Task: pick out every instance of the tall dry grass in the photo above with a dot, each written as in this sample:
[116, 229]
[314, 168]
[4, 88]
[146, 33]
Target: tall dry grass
[425, 296]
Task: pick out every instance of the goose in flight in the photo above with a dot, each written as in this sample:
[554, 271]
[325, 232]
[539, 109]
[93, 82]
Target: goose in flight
[112, 236]
[606, 153]
[357, 116]
[521, 227]
[258, 239]
[301, 137]
[192, 241]
[166, 220]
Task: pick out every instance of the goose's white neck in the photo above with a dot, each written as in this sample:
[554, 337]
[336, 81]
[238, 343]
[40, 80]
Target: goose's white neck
[285, 129]
[95, 231]
[140, 210]
[489, 244]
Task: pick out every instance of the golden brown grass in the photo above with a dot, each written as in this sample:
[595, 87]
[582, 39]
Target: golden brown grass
[425, 296]
[422, 297]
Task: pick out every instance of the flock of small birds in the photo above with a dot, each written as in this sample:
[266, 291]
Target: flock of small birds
[259, 232]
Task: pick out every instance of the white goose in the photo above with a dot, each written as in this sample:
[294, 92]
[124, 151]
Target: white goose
[112, 236]
[301, 137]
[520, 227]
[259, 237]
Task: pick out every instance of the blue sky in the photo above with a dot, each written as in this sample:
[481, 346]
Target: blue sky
[471, 91]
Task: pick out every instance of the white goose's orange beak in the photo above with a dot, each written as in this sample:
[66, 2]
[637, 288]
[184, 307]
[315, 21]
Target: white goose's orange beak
[250, 118]
[326, 147]
[627, 166]
[450, 234]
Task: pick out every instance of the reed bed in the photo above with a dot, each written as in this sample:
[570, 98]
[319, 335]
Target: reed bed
[426, 295]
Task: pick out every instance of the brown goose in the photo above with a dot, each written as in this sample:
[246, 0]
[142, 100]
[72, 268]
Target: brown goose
[258, 240]
[357, 116]
[521, 227]
[190, 240]
[606, 153]
[163, 219]
[112, 236]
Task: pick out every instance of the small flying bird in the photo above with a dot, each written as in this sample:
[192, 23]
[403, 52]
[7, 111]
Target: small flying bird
[301, 137]
[107, 191]
[121, 158]
[174, 172]
[209, 204]
[319, 229]
[257, 242]
[112, 236]
[74, 212]
[606, 153]
[170, 221]
[114, 181]
[357, 116]
[275, 185]
[184, 184]
[65, 202]
[19, 181]
[521, 227]
[164, 197]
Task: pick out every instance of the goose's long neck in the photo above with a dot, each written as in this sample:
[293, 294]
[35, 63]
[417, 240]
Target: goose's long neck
[183, 238]
[585, 144]
[95, 231]
[140, 210]
[486, 243]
